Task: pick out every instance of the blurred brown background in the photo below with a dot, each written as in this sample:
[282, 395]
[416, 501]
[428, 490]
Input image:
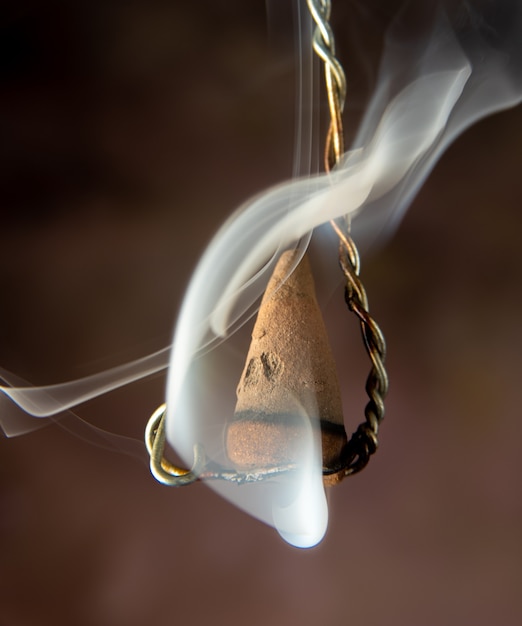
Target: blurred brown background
[130, 130]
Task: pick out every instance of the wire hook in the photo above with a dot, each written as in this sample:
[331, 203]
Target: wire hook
[162, 470]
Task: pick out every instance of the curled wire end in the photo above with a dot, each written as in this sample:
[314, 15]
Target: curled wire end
[162, 470]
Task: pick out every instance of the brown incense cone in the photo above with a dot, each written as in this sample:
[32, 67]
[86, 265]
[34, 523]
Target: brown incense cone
[289, 373]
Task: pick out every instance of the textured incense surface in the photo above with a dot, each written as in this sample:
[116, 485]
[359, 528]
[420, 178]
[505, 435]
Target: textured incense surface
[289, 376]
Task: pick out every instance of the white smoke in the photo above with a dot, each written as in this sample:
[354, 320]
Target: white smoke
[430, 88]
[435, 80]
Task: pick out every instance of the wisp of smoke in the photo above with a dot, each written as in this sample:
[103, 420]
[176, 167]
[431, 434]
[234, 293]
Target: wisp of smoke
[459, 66]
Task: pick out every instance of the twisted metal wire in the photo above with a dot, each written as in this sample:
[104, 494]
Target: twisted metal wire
[324, 46]
[363, 443]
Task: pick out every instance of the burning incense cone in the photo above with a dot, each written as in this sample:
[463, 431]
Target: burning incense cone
[289, 373]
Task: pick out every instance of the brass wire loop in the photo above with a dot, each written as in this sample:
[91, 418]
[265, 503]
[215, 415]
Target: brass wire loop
[363, 442]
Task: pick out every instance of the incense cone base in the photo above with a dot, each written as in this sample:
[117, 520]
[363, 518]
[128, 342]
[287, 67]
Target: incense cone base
[275, 441]
[289, 376]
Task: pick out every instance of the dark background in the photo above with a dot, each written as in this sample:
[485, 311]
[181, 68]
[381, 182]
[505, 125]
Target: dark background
[130, 131]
